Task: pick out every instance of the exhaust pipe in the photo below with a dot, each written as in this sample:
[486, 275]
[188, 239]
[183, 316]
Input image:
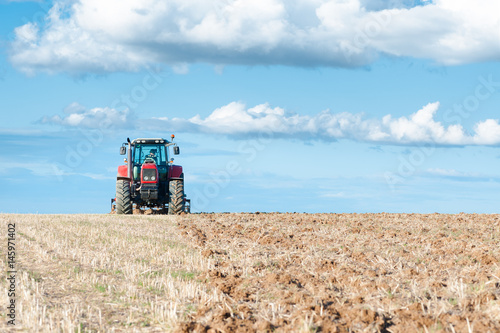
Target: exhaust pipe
[130, 164]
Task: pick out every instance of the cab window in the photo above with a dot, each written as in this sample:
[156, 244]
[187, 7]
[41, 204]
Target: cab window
[154, 152]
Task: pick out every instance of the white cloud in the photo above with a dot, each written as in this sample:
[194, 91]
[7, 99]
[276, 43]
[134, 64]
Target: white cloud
[419, 128]
[461, 175]
[125, 35]
[235, 118]
[27, 34]
[487, 132]
[237, 121]
[102, 118]
[74, 108]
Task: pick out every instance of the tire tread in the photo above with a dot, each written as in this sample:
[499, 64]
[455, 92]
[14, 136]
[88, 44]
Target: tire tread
[176, 197]
[123, 198]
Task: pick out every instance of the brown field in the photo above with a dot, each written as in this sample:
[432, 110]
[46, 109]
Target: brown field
[255, 272]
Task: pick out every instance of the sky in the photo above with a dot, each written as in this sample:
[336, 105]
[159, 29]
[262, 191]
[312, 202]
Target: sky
[336, 106]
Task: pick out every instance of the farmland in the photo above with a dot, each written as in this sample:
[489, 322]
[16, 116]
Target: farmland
[255, 272]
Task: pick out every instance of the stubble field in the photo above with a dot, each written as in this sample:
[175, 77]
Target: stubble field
[255, 272]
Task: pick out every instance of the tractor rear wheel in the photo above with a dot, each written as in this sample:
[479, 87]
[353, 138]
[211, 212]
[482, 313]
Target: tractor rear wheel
[123, 198]
[176, 196]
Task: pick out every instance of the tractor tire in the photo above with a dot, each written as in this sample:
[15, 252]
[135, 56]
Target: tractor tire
[123, 198]
[176, 197]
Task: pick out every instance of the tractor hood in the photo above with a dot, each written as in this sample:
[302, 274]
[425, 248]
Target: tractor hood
[149, 172]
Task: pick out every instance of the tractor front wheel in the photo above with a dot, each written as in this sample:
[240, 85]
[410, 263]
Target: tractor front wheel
[123, 198]
[176, 197]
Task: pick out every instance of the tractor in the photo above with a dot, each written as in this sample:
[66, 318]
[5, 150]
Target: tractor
[150, 179]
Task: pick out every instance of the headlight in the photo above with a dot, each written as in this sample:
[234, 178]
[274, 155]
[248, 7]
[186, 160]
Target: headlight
[153, 178]
[146, 178]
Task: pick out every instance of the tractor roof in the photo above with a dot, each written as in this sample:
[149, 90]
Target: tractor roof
[150, 141]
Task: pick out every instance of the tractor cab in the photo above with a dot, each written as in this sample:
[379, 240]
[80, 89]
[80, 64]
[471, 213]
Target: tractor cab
[146, 153]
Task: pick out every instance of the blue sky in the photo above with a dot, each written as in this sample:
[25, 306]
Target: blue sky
[305, 106]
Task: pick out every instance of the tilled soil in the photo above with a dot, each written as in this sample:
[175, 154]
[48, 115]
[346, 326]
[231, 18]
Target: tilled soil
[349, 272]
[266, 272]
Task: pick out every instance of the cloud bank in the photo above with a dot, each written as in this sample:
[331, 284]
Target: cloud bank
[237, 121]
[125, 35]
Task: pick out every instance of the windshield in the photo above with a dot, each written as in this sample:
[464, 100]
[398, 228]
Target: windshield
[155, 152]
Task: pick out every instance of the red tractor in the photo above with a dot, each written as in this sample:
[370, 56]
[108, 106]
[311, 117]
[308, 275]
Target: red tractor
[149, 178]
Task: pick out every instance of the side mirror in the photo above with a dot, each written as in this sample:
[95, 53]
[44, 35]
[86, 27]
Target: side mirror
[177, 150]
[123, 150]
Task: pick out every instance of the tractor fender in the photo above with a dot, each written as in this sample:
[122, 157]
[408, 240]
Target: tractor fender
[175, 172]
[122, 172]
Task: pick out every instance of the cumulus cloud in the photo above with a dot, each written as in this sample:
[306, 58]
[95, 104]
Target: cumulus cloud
[487, 132]
[78, 116]
[236, 120]
[125, 35]
[421, 127]
[418, 128]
